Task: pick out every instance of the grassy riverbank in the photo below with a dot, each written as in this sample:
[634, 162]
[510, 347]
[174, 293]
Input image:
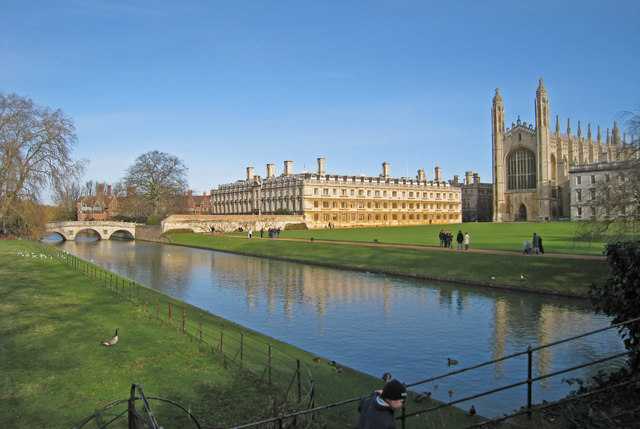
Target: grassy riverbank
[543, 273]
[56, 373]
[558, 237]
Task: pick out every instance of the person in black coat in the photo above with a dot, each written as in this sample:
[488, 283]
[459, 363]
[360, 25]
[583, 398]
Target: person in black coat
[376, 410]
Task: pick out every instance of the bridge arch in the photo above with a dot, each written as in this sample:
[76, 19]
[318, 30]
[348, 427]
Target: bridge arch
[68, 230]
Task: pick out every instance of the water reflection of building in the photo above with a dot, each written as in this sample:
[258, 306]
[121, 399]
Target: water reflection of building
[286, 285]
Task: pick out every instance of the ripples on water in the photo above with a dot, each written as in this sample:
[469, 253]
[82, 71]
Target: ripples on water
[377, 323]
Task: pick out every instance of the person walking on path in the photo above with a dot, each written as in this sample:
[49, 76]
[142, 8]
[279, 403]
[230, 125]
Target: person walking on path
[536, 244]
[441, 238]
[459, 239]
[540, 245]
[213, 230]
[250, 232]
[376, 410]
[466, 241]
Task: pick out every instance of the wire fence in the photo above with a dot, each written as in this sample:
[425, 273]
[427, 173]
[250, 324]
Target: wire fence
[236, 345]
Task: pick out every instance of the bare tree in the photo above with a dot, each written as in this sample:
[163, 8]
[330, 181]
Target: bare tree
[615, 200]
[65, 196]
[90, 187]
[160, 182]
[35, 151]
[119, 189]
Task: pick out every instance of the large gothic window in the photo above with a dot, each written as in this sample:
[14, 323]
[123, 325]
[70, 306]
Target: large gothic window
[521, 170]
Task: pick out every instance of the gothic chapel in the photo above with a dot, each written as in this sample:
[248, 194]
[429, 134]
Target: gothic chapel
[531, 162]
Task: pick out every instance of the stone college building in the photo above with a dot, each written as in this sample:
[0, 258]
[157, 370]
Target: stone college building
[531, 162]
[333, 200]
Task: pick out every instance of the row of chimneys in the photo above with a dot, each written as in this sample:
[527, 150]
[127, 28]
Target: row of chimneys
[131, 190]
[288, 171]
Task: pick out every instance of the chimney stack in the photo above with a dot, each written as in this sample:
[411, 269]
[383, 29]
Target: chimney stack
[249, 173]
[271, 169]
[288, 168]
[421, 176]
[438, 174]
[476, 178]
[101, 189]
[469, 177]
[385, 170]
[321, 166]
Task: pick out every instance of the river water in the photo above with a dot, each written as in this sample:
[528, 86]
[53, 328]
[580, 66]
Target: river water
[375, 323]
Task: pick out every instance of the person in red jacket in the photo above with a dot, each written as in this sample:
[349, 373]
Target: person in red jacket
[376, 410]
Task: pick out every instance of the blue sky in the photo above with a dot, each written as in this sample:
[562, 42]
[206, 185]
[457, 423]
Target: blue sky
[228, 84]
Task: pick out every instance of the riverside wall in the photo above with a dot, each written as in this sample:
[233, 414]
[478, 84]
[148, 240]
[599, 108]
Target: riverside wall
[228, 223]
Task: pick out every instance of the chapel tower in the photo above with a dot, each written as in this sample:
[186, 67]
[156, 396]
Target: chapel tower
[531, 162]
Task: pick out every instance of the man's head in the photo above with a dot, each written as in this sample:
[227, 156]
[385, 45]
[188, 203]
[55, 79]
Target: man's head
[394, 393]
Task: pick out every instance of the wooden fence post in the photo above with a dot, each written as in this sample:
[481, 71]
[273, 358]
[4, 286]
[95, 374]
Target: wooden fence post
[241, 347]
[184, 316]
[221, 336]
[269, 364]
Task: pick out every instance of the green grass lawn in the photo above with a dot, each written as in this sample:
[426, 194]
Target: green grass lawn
[558, 275]
[558, 237]
[55, 372]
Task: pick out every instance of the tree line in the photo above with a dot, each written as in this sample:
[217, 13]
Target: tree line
[36, 145]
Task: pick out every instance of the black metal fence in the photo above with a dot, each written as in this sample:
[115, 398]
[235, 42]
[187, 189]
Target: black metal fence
[236, 345]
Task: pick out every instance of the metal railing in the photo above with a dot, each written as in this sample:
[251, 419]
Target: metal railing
[136, 419]
[235, 344]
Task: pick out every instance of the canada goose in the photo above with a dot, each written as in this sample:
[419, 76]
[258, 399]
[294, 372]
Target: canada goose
[333, 363]
[112, 341]
[386, 376]
[422, 396]
[472, 411]
[317, 359]
[523, 277]
[451, 362]
[338, 369]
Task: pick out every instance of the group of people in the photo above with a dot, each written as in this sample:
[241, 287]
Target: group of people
[273, 232]
[446, 239]
[533, 247]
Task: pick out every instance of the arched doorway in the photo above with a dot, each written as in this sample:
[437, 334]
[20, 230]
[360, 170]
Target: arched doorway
[522, 212]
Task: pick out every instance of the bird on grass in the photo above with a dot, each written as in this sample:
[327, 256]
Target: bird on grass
[472, 411]
[523, 277]
[317, 359]
[386, 376]
[422, 396]
[493, 277]
[451, 362]
[113, 340]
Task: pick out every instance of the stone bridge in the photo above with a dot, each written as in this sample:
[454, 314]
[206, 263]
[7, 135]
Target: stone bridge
[105, 229]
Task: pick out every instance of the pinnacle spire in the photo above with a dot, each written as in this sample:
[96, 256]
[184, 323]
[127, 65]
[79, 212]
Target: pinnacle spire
[497, 98]
[541, 89]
